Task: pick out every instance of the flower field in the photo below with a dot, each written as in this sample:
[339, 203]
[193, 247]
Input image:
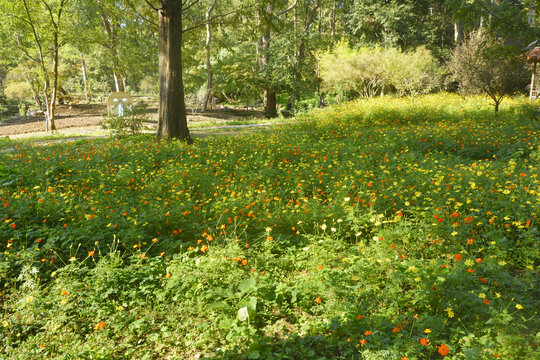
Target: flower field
[377, 229]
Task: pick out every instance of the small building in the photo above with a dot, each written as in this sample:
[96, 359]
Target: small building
[118, 103]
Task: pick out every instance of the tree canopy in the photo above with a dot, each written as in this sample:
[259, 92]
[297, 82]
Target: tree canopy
[243, 51]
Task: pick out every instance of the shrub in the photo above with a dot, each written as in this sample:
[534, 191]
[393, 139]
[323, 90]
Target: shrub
[413, 73]
[346, 69]
[483, 65]
[366, 71]
[129, 124]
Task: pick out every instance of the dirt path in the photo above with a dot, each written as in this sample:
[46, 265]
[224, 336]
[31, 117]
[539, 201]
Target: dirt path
[85, 119]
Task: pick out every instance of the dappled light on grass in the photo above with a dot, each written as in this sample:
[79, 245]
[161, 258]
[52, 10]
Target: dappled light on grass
[348, 234]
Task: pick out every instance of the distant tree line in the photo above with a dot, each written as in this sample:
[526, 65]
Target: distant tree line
[258, 51]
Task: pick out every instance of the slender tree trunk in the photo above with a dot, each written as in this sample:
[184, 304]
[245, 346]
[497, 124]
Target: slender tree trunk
[492, 4]
[172, 121]
[208, 63]
[87, 95]
[530, 19]
[117, 83]
[319, 5]
[481, 25]
[110, 29]
[34, 86]
[51, 110]
[533, 82]
[333, 24]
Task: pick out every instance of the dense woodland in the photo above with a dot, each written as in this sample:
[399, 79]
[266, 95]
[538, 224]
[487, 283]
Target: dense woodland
[277, 53]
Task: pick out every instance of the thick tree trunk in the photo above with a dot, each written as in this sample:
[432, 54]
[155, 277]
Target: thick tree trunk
[208, 63]
[172, 121]
[269, 95]
[270, 103]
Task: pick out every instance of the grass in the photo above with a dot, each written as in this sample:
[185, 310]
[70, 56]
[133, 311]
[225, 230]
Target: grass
[370, 230]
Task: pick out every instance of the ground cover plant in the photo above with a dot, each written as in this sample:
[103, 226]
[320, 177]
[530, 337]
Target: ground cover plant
[376, 229]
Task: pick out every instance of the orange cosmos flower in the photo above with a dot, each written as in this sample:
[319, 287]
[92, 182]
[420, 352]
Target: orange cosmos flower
[424, 341]
[368, 332]
[457, 257]
[318, 300]
[99, 325]
[91, 253]
[443, 349]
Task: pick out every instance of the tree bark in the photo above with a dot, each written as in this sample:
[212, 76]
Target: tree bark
[269, 94]
[172, 123]
[530, 19]
[208, 63]
[333, 24]
[87, 95]
[110, 29]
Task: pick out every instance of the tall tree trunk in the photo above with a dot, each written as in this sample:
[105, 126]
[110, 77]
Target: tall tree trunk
[51, 109]
[87, 95]
[117, 83]
[530, 19]
[269, 94]
[172, 121]
[208, 63]
[110, 29]
[333, 24]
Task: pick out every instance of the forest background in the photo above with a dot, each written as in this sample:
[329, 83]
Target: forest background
[288, 55]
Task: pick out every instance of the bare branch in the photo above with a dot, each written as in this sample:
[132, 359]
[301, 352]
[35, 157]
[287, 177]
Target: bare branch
[217, 17]
[151, 6]
[144, 18]
[190, 5]
[287, 9]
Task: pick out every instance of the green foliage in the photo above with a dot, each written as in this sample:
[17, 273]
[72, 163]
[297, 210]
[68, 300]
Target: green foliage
[361, 71]
[414, 73]
[354, 232]
[367, 71]
[482, 64]
[18, 90]
[130, 124]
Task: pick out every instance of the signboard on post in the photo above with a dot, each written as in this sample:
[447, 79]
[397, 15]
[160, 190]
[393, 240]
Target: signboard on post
[118, 103]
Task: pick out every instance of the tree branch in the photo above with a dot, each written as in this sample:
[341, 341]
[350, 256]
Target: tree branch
[217, 17]
[287, 9]
[144, 18]
[189, 6]
[151, 6]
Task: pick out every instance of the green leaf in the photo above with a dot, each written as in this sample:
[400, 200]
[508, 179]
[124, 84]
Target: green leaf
[217, 306]
[252, 305]
[247, 285]
[226, 324]
[254, 354]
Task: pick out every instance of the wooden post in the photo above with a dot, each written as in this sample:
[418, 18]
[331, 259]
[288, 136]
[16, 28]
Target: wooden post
[533, 81]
